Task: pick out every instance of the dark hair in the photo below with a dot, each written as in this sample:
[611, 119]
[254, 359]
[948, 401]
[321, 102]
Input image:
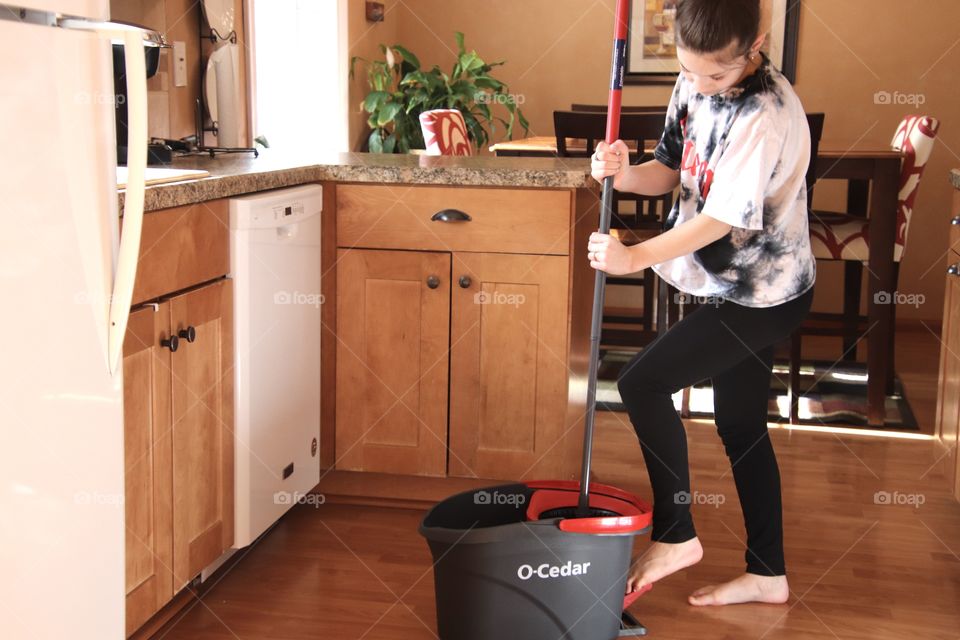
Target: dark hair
[710, 26]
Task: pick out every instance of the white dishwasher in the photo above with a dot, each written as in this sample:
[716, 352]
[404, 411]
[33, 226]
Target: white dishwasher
[275, 266]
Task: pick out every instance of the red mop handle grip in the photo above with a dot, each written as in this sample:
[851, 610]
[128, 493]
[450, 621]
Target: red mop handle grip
[618, 66]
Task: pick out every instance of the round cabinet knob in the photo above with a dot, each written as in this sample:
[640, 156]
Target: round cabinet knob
[954, 269]
[433, 282]
[465, 282]
[189, 334]
[172, 343]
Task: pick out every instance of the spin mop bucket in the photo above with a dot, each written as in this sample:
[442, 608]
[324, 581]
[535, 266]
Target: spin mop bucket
[543, 560]
[508, 564]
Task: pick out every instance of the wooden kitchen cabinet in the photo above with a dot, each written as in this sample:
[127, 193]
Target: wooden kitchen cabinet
[178, 407]
[393, 310]
[202, 412]
[948, 398]
[478, 378]
[178, 426]
[147, 463]
[508, 375]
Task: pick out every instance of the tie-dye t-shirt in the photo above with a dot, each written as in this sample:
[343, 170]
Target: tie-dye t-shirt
[743, 160]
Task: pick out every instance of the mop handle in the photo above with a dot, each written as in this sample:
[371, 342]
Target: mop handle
[600, 278]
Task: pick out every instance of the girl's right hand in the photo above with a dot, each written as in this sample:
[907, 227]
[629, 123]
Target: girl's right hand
[610, 160]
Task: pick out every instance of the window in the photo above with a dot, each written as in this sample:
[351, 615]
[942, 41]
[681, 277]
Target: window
[298, 83]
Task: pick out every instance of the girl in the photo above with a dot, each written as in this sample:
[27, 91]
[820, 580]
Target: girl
[736, 141]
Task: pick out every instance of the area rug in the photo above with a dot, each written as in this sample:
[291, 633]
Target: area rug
[831, 394]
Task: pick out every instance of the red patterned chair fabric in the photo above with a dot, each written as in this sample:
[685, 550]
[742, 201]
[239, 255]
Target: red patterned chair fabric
[445, 133]
[847, 238]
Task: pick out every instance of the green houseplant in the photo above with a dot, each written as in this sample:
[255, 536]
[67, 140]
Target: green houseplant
[401, 90]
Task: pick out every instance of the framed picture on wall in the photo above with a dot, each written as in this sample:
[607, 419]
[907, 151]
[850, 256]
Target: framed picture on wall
[652, 48]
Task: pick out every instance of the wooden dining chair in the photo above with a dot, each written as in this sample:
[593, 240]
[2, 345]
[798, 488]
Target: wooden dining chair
[639, 130]
[845, 237]
[815, 122]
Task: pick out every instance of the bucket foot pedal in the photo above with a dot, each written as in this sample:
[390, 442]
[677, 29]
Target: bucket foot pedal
[630, 627]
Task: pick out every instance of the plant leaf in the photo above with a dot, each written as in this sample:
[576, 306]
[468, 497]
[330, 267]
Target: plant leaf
[485, 110]
[459, 36]
[390, 143]
[387, 113]
[471, 62]
[408, 56]
[353, 62]
[486, 82]
[375, 142]
[373, 100]
[523, 121]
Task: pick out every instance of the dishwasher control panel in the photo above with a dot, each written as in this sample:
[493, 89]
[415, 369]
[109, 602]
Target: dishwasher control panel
[280, 207]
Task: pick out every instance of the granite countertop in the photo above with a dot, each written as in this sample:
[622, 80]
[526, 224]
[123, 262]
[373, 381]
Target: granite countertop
[233, 174]
[955, 178]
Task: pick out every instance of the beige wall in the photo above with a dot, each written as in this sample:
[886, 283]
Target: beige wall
[558, 52]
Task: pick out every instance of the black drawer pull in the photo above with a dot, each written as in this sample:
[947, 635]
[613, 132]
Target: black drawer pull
[451, 215]
[433, 282]
[189, 334]
[954, 270]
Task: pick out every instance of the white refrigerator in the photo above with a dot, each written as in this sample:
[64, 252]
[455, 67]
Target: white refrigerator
[66, 279]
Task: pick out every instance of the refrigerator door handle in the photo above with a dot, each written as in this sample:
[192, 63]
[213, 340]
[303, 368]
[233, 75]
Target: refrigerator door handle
[128, 255]
[133, 38]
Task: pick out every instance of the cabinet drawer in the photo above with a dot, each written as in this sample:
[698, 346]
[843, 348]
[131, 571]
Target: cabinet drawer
[501, 220]
[182, 247]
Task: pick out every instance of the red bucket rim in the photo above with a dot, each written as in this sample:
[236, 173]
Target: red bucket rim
[635, 513]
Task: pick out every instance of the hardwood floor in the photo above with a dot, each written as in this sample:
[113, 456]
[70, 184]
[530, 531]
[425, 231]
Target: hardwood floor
[857, 569]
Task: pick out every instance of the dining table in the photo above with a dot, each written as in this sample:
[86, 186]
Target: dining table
[872, 176]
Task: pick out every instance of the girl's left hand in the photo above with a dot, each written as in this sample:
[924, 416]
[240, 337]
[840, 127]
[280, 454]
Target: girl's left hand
[606, 253]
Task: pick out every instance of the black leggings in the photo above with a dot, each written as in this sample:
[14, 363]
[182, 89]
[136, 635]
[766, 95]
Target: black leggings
[733, 346]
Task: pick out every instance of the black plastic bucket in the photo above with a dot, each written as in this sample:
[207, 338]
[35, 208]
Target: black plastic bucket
[501, 572]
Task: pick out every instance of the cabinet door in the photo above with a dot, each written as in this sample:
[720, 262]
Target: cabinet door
[147, 460]
[508, 374]
[948, 406]
[202, 373]
[392, 345]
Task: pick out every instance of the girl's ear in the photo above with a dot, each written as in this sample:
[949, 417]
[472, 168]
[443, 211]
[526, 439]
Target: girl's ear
[758, 43]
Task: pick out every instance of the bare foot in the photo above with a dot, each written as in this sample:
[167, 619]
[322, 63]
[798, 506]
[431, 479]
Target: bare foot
[746, 588]
[662, 559]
